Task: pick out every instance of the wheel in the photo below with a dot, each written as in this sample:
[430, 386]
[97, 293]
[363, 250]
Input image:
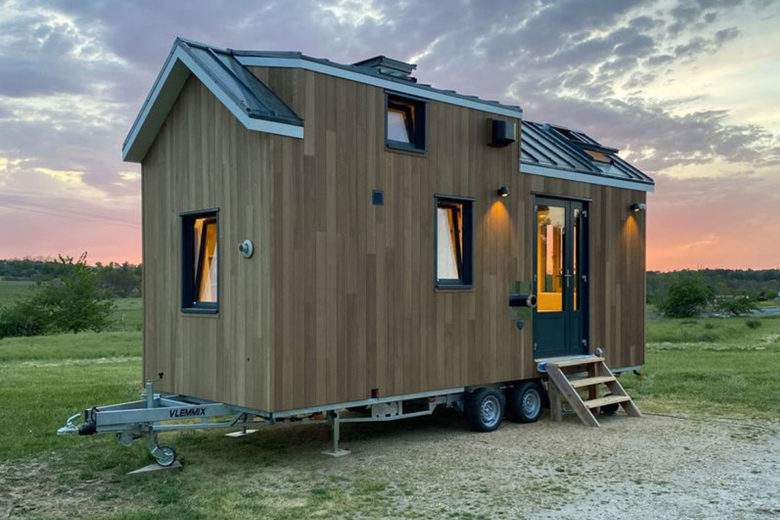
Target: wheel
[164, 455]
[609, 409]
[524, 402]
[484, 409]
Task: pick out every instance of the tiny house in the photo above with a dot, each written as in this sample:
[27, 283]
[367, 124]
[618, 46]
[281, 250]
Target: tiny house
[318, 234]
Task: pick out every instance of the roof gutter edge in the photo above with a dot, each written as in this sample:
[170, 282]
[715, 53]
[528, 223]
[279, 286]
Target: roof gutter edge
[588, 178]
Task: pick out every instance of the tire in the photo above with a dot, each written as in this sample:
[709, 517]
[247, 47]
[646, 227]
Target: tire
[484, 409]
[525, 402]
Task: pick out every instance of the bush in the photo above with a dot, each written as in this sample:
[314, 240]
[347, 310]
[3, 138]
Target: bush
[70, 303]
[753, 323]
[687, 297]
[736, 305]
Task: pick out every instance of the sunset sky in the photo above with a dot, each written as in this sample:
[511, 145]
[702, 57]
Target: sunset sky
[689, 91]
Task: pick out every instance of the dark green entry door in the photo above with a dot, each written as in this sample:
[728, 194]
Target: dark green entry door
[560, 278]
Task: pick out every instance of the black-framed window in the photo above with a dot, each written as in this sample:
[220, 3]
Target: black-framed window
[200, 261]
[405, 123]
[454, 247]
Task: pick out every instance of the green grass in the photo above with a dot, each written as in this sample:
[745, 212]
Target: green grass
[128, 314]
[711, 366]
[71, 347]
[714, 366]
[11, 290]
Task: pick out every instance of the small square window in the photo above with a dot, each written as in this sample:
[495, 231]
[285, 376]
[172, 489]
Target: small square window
[454, 243]
[405, 123]
[200, 262]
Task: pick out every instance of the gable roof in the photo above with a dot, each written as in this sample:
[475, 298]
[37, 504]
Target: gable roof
[247, 98]
[366, 72]
[224, 72]
[557, 151]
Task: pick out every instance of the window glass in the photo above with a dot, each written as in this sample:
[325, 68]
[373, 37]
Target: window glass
[397, 128]
[453, 242]
[200, 247]
[551, 222]
[205, 256]
[450, 248]
[405, 123]
[575, 245]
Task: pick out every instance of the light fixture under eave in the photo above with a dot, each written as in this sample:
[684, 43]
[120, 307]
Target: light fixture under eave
[503, 191]
[636, 207]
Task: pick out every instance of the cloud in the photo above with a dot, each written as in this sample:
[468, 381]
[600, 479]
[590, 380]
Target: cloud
[73, 75]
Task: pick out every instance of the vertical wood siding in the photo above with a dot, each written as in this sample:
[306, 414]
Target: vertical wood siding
[339, 298]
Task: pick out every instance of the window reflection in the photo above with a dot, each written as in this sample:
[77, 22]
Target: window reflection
[551, 224]
[204, 257]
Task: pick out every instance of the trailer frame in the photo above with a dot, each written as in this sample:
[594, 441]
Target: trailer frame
[157, 413]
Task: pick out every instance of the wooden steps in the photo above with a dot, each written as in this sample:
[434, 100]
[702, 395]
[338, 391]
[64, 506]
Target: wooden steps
[604, 401]
[590, 381]
[599, 377]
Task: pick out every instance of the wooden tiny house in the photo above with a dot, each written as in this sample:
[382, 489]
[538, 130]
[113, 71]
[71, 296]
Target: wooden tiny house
[389, 222]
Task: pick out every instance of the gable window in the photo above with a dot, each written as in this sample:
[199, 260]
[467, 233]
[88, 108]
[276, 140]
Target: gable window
[454, 243]
[200, 261]
[405, 123]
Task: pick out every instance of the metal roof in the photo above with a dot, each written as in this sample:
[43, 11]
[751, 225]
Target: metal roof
[560, 152]
[225, 74]
[364, 72]
[237, 82]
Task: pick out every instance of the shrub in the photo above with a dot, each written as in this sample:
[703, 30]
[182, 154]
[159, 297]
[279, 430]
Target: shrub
[687, 297]
[736, 305]
[753, 323]
[70, 303]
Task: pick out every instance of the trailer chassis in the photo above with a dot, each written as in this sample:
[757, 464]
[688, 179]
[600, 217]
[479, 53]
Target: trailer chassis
[156, 413]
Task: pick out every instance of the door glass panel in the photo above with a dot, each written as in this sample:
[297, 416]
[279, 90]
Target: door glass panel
[551, 225]
[575, 245]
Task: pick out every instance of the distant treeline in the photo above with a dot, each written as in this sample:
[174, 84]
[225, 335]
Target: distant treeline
[760, 284]
[118, 280]
[123, 280]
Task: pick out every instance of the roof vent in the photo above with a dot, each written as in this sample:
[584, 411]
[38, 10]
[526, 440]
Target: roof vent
[389, 67]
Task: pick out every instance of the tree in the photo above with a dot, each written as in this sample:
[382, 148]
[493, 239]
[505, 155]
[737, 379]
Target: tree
[741, 305]
[686, 298]
[72, 302]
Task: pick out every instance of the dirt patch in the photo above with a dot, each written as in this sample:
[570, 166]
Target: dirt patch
[34, 489]
[654, 467]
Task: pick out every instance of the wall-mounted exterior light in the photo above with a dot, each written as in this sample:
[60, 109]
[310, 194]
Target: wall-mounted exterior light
[503, 191]
[636, 207]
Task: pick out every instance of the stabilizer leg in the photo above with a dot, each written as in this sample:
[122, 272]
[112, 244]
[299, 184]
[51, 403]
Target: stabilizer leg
[335, 451]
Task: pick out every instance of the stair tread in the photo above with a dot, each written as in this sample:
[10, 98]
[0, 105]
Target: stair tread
[576, 362]
[591, 381]
[603, 401]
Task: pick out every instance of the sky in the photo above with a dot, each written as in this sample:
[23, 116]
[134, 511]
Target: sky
[688, 90]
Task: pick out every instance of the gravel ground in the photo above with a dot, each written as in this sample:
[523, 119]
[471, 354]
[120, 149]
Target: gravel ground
[653, 467]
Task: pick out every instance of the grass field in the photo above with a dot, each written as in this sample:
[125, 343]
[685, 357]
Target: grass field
[11, 290]
[712, 366]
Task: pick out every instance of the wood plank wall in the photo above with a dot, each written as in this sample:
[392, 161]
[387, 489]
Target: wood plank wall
[339, 298]
[203, 158]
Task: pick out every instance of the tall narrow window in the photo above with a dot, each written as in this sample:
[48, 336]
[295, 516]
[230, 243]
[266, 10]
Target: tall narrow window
[200, 275]
[454, 245]
[405, 123]
[551, 226]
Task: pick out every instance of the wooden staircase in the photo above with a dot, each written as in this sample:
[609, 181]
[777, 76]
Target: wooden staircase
[566, 382]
